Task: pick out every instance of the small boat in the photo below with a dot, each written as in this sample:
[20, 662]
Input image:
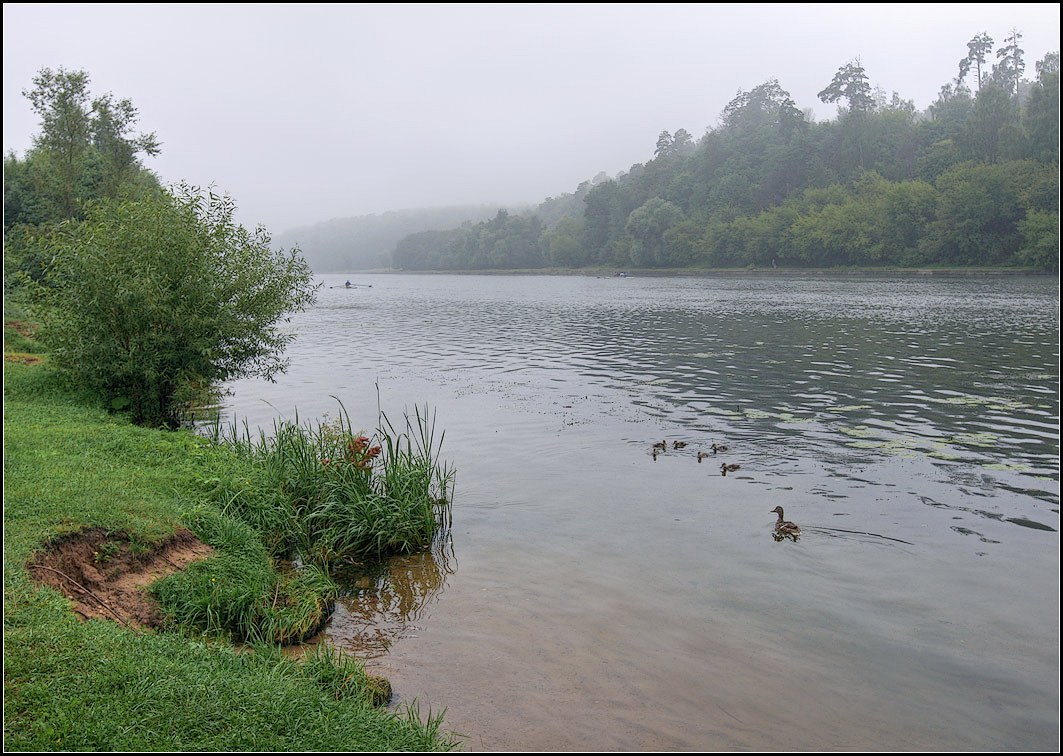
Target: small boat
[349, 285]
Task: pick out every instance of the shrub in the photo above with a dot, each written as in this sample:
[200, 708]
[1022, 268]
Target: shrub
[150, 301]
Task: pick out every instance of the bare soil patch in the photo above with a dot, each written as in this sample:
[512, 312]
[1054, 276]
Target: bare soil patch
[21, 358]
[22, 328]
[105, 573]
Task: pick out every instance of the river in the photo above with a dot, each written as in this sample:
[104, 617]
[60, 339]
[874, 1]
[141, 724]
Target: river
[592, 595]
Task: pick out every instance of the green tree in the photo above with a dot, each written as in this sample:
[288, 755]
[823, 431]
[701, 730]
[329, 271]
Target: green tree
[664, 144]
[564, 244]
[1010, 66]
[111, 126]
[1040, 240]
[61, 99]
[682, 142]
[155, 299]
[84, 150]
[977, 50]
[992, 113]
[850, 83]
[1041, 117]
[647, 226]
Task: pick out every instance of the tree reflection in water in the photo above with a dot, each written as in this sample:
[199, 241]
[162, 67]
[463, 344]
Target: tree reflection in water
[383, 602]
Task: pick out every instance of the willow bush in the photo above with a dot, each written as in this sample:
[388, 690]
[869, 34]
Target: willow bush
[150, 301]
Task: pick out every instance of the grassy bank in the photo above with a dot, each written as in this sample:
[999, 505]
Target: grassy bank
[70, 684]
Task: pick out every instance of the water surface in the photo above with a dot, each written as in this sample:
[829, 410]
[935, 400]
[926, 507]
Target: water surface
[593, 597]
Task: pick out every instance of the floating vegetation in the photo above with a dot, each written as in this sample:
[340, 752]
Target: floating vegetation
[1012, 466]
[867, 444]
[976, 439]
[942, 451]
[755, 414]
[969, 400]
[860, 431]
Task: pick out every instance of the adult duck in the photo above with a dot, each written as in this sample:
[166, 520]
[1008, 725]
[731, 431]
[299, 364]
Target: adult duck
[785, 528]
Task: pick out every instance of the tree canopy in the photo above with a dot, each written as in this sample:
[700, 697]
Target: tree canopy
[973, 180]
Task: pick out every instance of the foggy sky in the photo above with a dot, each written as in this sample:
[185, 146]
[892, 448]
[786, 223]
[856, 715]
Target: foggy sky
[308, 112]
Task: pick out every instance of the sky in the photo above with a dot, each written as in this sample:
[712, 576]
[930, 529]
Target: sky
[304, 113]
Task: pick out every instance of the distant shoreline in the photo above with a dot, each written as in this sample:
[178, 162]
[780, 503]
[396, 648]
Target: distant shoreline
[721, 272]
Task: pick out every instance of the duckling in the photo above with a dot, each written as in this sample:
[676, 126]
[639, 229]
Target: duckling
[701, 456]
[726, 468]
[784, 528]
[678, 444]
[717, 447]
[660, 446]
[655, 452]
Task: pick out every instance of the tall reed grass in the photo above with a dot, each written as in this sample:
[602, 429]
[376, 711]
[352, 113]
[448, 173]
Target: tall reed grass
[325, 494]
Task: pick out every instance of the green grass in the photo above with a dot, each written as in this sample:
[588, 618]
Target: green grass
[72, 685]
[327, 495]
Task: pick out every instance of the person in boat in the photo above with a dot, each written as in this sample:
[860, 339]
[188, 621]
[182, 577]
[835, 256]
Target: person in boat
[347, 285]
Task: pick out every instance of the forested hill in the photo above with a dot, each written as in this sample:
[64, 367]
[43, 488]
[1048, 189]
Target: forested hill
[971, 181]
[366, 242]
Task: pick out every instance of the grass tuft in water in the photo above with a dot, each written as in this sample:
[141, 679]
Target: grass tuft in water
[324, 494]
[344, 676]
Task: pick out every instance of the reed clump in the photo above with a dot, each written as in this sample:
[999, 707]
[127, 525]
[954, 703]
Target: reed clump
[286, 511]
[324, 494]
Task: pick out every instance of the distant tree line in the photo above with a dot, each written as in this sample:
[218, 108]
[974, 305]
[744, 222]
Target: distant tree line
[366, 242]
[972, 181]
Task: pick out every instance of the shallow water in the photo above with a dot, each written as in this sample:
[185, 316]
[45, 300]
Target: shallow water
[593, 597]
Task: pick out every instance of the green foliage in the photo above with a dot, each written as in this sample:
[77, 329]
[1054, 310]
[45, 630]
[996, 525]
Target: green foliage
[1040, 240]
[850, 83]
[979, 210]
[647, 226]
[563, 243]
[978, 50]
[506, 241]
[343, 676]
[239, 594]
[153, 300]
[84, 151]
[323, 494]
[1042, 114]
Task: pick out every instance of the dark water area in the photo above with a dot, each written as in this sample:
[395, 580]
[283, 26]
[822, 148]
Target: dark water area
[594, 596]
